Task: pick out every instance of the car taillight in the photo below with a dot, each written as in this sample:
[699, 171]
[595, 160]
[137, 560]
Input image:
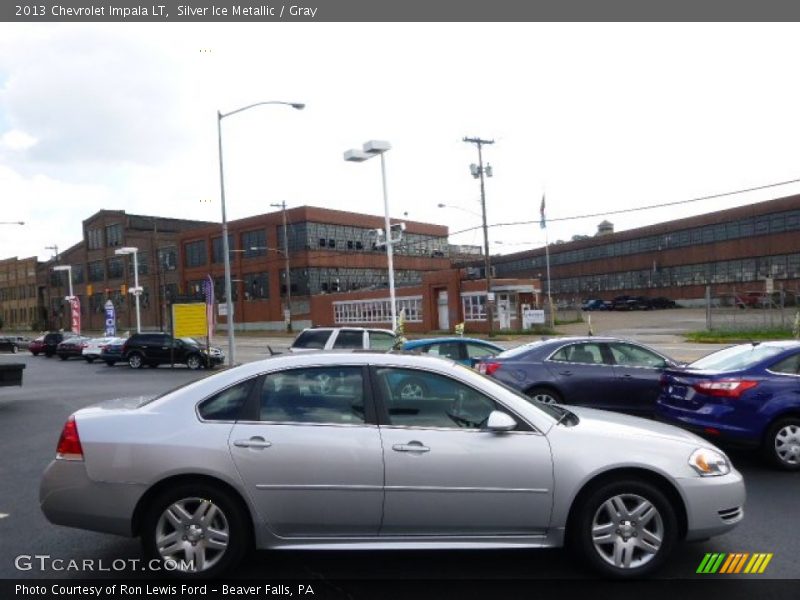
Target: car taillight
[69, 444]
[729, 388]
[488, 368]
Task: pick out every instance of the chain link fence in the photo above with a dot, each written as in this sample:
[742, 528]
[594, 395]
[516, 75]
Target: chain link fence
[751, 309]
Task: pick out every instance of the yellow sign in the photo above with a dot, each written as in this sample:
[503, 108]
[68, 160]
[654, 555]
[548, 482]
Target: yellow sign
[189, 320]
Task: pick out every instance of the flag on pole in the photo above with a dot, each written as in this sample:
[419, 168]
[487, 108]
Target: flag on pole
[542, 222]
[208, 292]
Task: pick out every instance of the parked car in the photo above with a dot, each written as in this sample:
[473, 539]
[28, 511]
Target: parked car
[53, 339]
[630, 303]
[460, 349]
[111, 353]
[753, 300]
[9, 344]
[155, 348]
[608, 373]
[72, 347]
[343, 338]
[94, 347]
[747, 394]
[662, 302]
[595, 304]
[256, 455]
[37, 346]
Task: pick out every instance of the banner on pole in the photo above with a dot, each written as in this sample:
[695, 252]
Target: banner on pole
[111, 319]
[75, 306]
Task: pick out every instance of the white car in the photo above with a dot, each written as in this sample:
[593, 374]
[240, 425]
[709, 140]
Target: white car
[343, 338]
[95, 346]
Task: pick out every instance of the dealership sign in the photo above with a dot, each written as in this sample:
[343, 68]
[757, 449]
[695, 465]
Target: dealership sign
[111, 319]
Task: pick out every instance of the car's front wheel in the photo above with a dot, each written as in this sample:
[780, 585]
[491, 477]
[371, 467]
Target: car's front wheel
[625, 529]
[782, 444]
[196, 529]
[135, 361]
[193, 362]
[14, 349]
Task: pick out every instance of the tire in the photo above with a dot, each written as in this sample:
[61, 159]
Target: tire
[544, 395]
[110, 363]
[208, 511]
[781, 446]
[194, 362]
[35, 353]
[624, 521]
[135, 361]
[14, 349]
[90, 359]
[63, 356]
[411, 387]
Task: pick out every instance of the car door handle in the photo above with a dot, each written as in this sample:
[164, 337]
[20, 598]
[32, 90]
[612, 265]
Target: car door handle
[411, 447]
[254, 442]
[567, 373]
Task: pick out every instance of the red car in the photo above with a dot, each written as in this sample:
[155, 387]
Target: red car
[37, 345]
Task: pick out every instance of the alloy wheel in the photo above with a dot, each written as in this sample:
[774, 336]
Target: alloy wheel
[194, 533]
[627, 531]
[787, 444]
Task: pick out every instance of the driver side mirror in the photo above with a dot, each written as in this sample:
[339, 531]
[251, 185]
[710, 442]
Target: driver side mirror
[499, 421]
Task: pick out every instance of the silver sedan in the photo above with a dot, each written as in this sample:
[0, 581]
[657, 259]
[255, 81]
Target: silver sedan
[322, 451]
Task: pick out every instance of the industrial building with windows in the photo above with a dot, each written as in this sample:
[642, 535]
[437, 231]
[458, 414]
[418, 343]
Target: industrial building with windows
[733, 250]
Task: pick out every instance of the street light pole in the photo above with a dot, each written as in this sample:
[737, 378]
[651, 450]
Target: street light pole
[136, 291]
[372, 148]
[225, 245]
[288, 310]
[487, 263]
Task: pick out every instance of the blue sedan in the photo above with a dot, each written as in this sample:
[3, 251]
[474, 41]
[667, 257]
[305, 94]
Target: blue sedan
[747, 394]
[607, 373]
[460, 349]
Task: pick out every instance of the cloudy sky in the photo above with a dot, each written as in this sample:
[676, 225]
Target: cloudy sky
[598, 116]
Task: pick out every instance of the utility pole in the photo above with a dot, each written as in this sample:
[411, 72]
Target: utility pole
[49, 296]
[287, 315]
[478, 172]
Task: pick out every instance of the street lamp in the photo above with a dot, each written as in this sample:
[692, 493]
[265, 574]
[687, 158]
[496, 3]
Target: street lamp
[225, 246]
[68, 269]
[136, 291]
[287, 313]
[466, 210]
[372, 148]
[12, 222]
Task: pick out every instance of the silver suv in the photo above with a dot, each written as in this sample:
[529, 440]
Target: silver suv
[343, 338]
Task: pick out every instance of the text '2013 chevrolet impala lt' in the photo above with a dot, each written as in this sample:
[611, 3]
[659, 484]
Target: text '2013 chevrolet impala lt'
[323, 451]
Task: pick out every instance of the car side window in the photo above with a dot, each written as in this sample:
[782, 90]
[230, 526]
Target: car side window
[788, 366]
[589, 354]
[313, 338]
[380, 340]
[314, 395]
[227, 405]
[349, 338]
[422, 399]
[478, 351]
[634, 356]
[446, 350]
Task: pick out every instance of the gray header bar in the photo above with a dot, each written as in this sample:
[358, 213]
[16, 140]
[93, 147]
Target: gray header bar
[397, 10]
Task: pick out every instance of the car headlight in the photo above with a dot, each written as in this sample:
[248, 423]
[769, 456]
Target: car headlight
[709, 463]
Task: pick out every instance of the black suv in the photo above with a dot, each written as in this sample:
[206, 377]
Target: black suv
[53, 339]
[153, 349]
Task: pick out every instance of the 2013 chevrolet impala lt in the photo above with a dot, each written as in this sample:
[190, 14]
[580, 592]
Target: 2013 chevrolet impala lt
[323, 451]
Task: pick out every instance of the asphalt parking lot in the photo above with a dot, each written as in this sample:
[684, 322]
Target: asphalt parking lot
[31, 419]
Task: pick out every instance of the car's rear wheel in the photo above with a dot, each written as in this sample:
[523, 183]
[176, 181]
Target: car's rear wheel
[544, 395]
[193, 362]
[196, 529]
[135, 361]
[782, 444]
[625, 529]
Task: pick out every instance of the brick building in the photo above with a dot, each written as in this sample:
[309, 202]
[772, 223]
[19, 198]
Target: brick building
[99, 274]
[330, 251]
[19, 293]
[733, 250]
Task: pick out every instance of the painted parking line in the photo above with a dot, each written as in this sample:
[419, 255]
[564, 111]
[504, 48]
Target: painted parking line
[3, 515]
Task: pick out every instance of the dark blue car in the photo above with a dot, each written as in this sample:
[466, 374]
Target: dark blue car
[607, 373]
[460, 349]
[747, 394]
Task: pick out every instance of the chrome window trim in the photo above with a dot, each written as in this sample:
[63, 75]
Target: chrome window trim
[666, 360]
[304, 423]
[782, 374]
[462, 429]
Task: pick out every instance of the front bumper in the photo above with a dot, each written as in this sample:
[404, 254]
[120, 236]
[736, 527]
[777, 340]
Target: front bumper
[68, 497]
[714, 505]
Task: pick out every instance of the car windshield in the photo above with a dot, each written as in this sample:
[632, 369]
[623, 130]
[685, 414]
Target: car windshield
[190, 341]
[736, 357]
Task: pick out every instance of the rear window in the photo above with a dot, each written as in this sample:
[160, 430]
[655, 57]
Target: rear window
[736, 358]
[313, 338]
[518, 351]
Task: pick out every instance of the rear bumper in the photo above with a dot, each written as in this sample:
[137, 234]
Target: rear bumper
[714, 425]
[714, 505]
[68, 497]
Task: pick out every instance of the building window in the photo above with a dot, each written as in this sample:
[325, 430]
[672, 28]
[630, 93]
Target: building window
[115, 268]
[77, 274]
[219, 289]
[217, 251]
[256, 286]
[377, 310]
[196, 255]
[96, 271]
[474, 306]
[94, 238]
[114, 234]
[168, 258]
[254, 243]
